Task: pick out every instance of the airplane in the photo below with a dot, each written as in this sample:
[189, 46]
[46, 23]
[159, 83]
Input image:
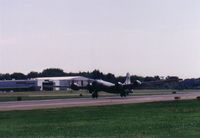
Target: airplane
[100, 85]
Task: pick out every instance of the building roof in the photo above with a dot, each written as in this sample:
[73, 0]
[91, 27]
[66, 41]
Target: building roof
[63, 78]
[16, 80]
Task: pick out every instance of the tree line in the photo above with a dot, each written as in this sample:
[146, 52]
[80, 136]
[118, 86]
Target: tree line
[155, 82]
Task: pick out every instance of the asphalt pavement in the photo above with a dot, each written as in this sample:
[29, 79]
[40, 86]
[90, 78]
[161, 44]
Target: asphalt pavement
[101, 101]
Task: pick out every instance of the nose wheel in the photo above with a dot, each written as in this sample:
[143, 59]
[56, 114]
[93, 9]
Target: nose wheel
[95, 95]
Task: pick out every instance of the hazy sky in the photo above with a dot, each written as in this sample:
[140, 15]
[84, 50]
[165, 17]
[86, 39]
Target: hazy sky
[143, 37]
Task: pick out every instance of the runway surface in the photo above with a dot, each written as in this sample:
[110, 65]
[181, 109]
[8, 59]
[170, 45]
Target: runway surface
[79, 102]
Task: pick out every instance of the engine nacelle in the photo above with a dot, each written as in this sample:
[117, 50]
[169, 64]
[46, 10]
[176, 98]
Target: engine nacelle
[118, 85]
[75, 86]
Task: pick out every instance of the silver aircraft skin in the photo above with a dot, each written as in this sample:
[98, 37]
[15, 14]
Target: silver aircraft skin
[100, 85]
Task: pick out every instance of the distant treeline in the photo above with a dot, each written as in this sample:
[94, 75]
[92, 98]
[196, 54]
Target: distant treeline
[156, 82]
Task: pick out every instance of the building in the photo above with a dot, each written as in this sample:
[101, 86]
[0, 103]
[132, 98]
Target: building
[19, 85]
[61, 83]
[43, 84]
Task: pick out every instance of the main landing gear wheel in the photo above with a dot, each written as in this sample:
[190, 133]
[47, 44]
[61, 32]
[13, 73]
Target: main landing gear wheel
[94, 95]
[123, 94]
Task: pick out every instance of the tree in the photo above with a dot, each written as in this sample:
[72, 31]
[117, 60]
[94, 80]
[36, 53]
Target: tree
[96, 74]
[156, 78]
[110, 77]
[53, 72]
[173, 78]
[5, 76]
[32, 75]
[18, 76]
[149, 78]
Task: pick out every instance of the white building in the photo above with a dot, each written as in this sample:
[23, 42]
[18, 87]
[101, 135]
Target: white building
[61, 83]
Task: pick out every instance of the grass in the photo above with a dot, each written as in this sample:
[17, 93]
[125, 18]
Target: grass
[149, 120]
[41, 95]
[45, 95]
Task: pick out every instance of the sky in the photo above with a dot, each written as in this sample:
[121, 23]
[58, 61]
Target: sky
[143, 37]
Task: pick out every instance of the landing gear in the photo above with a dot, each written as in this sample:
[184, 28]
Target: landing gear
[123, 94]
[95, 95]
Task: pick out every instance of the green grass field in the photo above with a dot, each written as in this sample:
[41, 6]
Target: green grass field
[44, 95]
[149, 120]
[73, 94]
[41, 95]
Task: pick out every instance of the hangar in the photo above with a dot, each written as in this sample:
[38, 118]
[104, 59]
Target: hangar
[61, 83]
[43, 83]
[19, 85]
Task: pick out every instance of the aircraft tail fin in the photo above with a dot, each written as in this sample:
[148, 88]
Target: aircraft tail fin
[128, 79]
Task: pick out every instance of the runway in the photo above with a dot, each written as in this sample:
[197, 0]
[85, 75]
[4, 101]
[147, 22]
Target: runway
[101, 101]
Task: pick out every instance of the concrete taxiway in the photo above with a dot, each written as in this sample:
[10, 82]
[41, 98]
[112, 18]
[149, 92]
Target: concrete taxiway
[101, 101]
